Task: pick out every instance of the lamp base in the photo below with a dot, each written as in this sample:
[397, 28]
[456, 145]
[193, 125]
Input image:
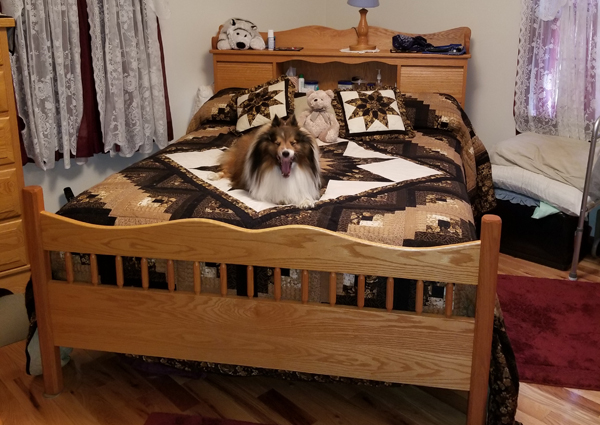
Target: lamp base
[359, 47]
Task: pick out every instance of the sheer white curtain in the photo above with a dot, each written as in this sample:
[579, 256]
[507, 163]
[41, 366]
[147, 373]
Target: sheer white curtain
[47, 73]
[128, 74]
[556, 88]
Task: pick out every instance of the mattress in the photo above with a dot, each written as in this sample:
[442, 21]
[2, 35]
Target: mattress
[564, 197]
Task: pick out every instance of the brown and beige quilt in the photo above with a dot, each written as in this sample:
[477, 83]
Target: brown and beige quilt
[422, 191]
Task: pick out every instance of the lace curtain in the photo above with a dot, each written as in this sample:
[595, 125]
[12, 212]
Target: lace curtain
[556, 88]
[128, 74]
[47, 73]
[52, 55]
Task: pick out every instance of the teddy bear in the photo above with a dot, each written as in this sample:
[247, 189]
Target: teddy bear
[239, 34]
[318, 119]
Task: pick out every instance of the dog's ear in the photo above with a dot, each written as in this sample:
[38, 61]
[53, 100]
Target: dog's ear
[276, 121]
[292, 121]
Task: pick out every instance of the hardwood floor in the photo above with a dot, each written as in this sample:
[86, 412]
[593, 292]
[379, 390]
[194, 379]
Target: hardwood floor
[102, 390]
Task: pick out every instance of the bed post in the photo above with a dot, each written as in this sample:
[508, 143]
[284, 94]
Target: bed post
[491, 226]
[39, 259]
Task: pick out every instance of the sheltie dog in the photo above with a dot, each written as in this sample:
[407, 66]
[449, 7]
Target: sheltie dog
[278, 163]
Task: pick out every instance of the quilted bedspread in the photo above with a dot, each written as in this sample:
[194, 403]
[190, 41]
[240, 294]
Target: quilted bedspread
[423, 191]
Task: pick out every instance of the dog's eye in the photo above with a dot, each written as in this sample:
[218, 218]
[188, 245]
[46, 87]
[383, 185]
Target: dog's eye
[277, 142]
[293, 143]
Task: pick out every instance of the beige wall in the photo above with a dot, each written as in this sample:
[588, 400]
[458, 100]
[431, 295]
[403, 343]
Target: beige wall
[186, 38]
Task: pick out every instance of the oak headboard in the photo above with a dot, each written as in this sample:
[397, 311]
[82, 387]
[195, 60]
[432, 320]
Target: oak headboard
[322, 60]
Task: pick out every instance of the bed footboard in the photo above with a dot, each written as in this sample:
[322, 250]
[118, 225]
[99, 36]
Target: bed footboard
[407, 347]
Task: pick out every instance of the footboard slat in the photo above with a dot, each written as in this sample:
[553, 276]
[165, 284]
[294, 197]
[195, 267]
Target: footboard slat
[332, 288]
[277, 283]
[145, 274]
[449, 299]
[304, 286]
[250, 281]
[389, 294]
[94, 278]
[170, 275]
[119, 269]
[313, 338]
[69, 266]
[197, 278]
[360, 294]
[419, 297]
[223, 281]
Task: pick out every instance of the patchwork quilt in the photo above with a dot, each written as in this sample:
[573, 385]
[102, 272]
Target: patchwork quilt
[422, 191]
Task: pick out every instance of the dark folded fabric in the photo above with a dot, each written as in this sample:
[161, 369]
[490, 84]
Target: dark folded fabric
[407, 44]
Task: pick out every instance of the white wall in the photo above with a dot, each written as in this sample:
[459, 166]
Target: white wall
[186, 39]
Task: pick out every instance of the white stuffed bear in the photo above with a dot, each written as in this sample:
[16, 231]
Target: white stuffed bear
[318, 119]
[240, 34]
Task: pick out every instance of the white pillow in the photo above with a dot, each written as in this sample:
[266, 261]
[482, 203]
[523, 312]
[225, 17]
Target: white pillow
[558, 158]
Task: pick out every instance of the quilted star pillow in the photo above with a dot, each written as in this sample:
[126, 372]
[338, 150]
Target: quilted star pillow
[372, 114]
[260, 104]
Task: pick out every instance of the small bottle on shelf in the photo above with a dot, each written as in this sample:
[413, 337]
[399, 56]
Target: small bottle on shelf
[379, 78]
[301, 83]
[271, 40]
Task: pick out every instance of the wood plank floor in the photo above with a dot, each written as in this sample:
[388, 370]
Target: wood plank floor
[102, 390]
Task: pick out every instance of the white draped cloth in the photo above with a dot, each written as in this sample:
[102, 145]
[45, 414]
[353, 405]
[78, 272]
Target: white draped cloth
[128, 74]
[557, 83]
[46, 69]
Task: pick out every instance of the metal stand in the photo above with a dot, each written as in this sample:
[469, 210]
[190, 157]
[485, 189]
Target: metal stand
[584, 202]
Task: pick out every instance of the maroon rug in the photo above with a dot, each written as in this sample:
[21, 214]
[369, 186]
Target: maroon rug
[554, 329]
[175, 419]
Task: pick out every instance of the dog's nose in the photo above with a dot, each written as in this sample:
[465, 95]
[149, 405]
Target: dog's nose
[285, 154]
[241, 45]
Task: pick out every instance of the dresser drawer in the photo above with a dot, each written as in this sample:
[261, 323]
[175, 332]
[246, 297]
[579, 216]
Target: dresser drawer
[9, 194]
[3, 95]
[12, 245]
[6, 144]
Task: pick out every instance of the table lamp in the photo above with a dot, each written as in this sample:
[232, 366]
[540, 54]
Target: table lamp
[363, 28]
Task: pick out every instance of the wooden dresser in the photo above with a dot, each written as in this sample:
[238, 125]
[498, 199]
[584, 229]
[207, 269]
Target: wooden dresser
[321, 60]
[14, 267]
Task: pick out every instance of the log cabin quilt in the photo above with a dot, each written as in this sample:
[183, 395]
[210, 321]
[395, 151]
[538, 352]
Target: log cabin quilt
[424, 191]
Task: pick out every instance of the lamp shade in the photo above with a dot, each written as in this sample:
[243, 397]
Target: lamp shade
[363, 3]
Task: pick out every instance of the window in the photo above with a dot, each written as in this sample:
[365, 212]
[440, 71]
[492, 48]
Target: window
[556, 88]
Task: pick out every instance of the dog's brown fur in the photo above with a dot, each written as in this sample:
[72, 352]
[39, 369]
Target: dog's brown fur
[261, 150]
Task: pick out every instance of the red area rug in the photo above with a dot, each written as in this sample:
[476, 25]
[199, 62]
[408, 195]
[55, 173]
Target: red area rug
[175, 419]
[554, 329]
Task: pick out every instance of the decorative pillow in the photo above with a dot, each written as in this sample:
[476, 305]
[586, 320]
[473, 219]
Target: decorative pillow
[259, 105]
[371, 114]
[219, 109]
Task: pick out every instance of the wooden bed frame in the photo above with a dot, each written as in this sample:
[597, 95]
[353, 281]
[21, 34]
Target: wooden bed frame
[407, 347]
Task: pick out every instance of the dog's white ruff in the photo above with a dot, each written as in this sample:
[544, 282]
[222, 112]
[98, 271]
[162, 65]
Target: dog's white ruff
[301, 188]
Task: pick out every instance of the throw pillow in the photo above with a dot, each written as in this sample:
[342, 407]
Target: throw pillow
[260, 104]
[371, 114]
[220, 109]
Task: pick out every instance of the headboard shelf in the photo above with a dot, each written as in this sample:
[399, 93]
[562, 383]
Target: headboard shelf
[322, 60]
